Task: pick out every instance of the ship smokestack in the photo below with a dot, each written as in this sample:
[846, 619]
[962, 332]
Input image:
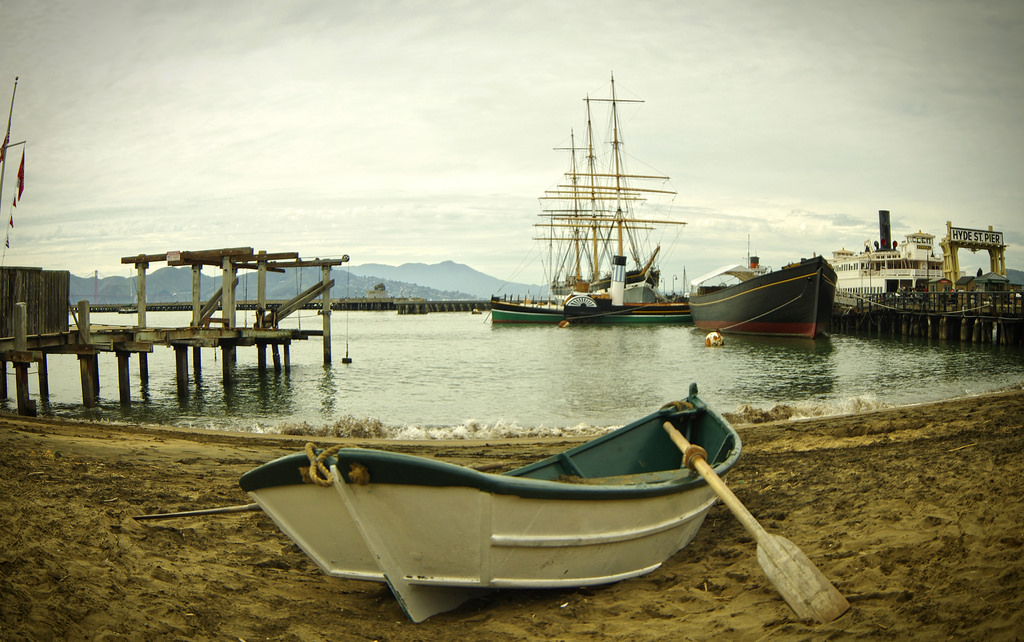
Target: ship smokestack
[884, 233]
[618, 280]
[754, 262]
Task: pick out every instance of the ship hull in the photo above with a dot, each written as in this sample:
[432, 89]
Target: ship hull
[794, 301]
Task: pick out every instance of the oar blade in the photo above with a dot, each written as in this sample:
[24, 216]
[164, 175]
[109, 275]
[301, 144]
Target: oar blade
[805, 588]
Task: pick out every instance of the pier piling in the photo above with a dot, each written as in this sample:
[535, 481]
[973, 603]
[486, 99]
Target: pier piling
[979, 317]
[181, 370]
[124, 384]
[87, 374]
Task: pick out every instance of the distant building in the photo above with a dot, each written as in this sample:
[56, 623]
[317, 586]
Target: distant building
[991, 282]
[379, 291]
[941, 284]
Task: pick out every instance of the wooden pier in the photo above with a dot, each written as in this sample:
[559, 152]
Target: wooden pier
[976, 317]
[34, 323]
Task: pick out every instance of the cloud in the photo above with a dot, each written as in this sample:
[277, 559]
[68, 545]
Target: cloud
[399, 132]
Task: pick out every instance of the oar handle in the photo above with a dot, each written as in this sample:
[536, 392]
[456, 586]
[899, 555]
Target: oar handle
[206, 511]
[695, 458]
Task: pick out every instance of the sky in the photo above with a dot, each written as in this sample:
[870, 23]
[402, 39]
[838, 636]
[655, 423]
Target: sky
[401, 132]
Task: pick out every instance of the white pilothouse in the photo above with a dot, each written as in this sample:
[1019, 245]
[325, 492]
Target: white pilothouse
[889, 267]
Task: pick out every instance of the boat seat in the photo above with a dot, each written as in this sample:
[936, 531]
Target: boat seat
[655, 477]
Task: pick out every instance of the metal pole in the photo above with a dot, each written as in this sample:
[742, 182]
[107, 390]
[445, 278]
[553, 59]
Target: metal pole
[7, 138]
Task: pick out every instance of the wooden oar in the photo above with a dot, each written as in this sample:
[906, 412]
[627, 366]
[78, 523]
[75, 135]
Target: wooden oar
[208, 511]
[807, 591]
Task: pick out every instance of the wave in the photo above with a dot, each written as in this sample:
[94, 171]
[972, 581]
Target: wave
[747, 414]
[350, 427]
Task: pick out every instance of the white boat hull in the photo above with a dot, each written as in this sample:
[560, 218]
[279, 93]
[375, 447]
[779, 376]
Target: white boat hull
[465, 538]
[490, 541]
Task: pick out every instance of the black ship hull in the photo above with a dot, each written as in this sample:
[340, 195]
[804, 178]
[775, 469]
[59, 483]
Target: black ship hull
[794, 301]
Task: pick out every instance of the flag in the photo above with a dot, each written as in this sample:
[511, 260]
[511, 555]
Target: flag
[3, 150]
[21, 176]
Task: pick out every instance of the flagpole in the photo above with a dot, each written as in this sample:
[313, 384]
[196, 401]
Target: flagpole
[7, 139]
[7, 240]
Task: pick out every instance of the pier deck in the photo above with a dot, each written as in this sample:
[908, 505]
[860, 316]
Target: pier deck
[34, 313]
[976, 317]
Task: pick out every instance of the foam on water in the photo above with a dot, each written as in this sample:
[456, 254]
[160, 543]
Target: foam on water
[354, 428]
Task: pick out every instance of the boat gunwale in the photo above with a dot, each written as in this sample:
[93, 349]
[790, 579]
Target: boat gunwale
[403, 469]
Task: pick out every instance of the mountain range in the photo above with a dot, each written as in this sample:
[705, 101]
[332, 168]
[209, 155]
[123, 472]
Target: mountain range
[445, 281]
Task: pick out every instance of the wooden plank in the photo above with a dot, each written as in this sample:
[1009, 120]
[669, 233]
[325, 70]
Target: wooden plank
[79, 349]
[21, 356]
[211, 257]
[143, 258]
[132, 346]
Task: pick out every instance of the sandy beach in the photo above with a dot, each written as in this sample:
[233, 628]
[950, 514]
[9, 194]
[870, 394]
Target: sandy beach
[916, 514]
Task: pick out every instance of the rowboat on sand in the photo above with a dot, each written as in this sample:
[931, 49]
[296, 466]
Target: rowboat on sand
[439, 534]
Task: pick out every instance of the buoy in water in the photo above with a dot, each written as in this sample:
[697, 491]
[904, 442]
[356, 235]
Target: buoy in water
[713, 340]
[564, 323]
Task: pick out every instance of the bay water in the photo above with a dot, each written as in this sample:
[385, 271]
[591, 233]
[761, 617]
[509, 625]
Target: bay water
[454, 375]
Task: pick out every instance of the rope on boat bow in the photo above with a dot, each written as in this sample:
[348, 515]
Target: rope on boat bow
[319, 474]
[678, 405]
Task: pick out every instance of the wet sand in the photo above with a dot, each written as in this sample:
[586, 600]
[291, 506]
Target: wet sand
[916, 514]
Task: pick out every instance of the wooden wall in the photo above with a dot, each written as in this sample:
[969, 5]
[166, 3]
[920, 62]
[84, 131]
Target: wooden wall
[46, 293]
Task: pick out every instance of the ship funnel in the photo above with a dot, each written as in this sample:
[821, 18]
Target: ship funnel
[754, 262]
[618, 280]
[884, 233]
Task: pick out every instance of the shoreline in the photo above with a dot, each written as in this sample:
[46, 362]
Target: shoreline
[913, 512]
[344, 427]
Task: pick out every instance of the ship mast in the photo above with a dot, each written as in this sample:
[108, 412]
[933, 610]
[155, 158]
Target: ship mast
[616, 148]
[602, 201]
[594, 209]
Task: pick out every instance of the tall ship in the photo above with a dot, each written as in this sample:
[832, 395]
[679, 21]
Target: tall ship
[747, 298]
[888, 266]
[599, 264]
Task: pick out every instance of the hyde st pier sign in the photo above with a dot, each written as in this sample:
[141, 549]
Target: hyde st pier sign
[963, 236]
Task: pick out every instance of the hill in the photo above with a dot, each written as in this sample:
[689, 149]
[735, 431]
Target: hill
[447, 281]
[446, 274]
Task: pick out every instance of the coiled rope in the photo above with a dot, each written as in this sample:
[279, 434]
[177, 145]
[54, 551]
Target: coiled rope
[318, 473]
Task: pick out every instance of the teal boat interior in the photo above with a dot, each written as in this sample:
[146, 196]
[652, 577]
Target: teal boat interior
[636, 460]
